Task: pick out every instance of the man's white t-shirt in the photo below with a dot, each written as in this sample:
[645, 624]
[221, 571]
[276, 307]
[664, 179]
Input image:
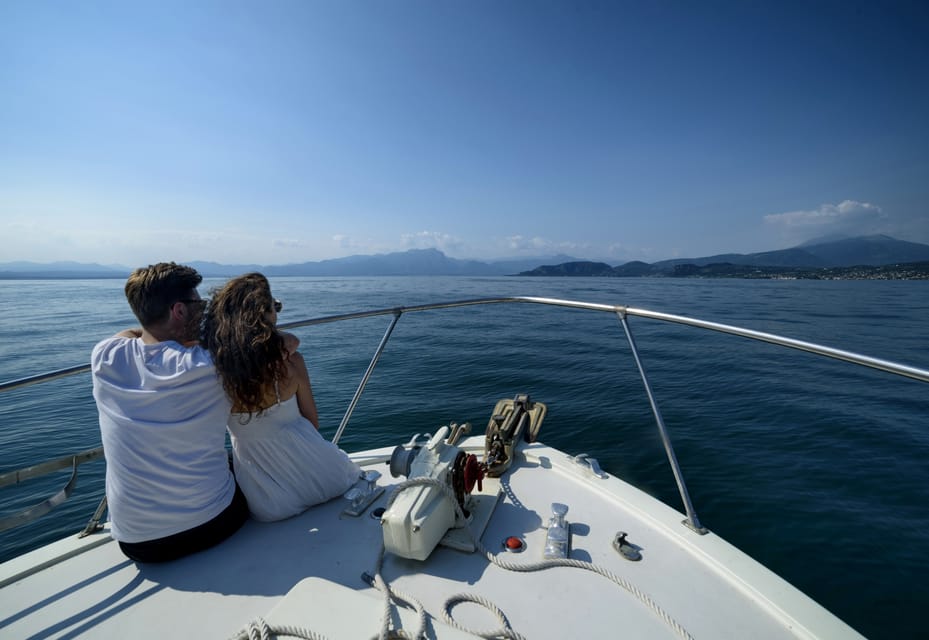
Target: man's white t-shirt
[163, 416]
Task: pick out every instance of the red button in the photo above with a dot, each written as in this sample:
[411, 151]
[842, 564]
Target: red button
[514, 543]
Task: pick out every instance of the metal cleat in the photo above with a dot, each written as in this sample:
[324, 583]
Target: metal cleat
[363, 494]
[589, 464]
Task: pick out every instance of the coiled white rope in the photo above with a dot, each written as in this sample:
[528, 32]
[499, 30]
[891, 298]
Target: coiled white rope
[505, 630]
[259, 629]
[390, 593]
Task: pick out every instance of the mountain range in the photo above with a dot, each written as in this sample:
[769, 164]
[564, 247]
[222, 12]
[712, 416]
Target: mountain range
[861, 251]
[431, 262]
[875, 250]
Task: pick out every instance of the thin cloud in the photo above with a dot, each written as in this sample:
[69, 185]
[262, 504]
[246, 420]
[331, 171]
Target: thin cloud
[346, 242]
[353, 244]
[289, 243]
[849, 217]
[538, 245]
[431, 240]
[521, 243]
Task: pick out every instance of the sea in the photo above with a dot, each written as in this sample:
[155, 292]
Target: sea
[817, 468]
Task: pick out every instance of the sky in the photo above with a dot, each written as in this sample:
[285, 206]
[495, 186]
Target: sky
[280, 132]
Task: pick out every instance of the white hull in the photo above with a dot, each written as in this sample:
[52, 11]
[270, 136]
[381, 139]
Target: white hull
[307, 572]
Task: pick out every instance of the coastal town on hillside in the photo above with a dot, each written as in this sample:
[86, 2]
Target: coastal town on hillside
[908, 271]
[901, 271]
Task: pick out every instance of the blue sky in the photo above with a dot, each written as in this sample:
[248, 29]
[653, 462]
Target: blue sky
[279, 132]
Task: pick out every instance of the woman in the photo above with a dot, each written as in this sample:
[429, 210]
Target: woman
[281, 462]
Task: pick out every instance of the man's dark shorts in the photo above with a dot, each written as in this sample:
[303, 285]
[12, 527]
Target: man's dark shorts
[199, 538]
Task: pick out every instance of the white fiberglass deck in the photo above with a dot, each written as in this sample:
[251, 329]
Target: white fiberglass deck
[707, 587]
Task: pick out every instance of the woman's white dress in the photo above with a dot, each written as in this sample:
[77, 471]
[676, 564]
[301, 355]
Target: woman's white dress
[284, 465]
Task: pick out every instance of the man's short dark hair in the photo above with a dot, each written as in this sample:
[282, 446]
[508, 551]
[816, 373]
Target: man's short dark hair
[153, 289]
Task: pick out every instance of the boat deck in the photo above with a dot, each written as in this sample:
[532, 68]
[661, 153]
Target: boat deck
[307, 572]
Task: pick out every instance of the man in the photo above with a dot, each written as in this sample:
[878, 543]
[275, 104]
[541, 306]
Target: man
[163, 414]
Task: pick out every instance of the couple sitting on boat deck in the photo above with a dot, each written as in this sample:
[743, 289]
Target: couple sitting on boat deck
[167, 393]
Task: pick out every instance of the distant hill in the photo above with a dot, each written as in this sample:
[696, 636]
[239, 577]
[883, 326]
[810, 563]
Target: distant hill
[430, 262]
[406, 263]
[56, 270]
[577, 268]
[872, 251]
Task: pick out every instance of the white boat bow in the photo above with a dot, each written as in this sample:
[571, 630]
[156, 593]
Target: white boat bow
[634, 566]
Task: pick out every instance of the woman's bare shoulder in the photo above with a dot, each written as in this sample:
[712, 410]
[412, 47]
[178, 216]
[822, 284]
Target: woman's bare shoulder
[291, 342]
[296, 374]
[295, 358]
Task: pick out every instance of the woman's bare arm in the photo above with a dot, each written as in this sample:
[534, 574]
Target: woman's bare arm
[305, 400]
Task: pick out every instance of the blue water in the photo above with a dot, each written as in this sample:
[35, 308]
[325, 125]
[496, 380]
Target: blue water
[816, 468]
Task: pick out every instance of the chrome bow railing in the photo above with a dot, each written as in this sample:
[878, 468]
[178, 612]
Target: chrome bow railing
[622, 312]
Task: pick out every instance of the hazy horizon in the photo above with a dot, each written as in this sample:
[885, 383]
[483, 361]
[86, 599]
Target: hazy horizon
[128, 267]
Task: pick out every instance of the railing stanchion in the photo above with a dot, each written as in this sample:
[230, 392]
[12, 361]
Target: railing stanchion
[364, 378]
[692, 521]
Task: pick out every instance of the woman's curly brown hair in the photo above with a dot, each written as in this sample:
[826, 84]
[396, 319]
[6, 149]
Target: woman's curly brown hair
[247, 348]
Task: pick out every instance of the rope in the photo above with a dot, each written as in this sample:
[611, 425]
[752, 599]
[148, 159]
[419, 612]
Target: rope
[505, 630]
[381, 585]
[259, 629]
